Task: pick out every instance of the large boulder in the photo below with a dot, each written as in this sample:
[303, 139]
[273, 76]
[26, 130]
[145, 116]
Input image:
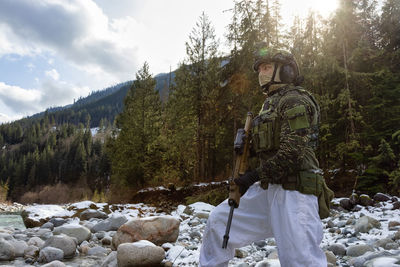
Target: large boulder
[366, 223]
[63, 242]
[141, 253]
[37, 215]
[7, 251]
[92, 213]
[158, 229]
[110, 224]
[31, 222]
[81, 233]
[49, 254]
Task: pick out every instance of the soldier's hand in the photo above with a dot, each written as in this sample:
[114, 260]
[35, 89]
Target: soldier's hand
[246, 180]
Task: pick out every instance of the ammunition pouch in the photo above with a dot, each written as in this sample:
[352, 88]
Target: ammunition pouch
[264, 135]
[297, 118]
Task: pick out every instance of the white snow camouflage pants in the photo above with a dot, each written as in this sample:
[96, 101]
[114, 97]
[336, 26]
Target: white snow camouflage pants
[289, 216]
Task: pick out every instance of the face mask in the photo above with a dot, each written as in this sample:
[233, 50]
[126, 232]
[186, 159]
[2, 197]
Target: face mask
[264, 78]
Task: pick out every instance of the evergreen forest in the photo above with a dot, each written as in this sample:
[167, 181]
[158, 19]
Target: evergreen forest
[179, 127]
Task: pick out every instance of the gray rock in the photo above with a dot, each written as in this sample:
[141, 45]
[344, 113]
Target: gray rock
[382, 242]
[365, 200]
[80, 232]
[381, 197]
[337, 249]
[99, 251]
[49, 254]
[397, 235]
[346, 204]
[35, 241]
[354, 198]
[366, 223]
[391, 245]
[57, 221]
[260, 243]
[63, 242]
[243, 264]
[157, 229]
[48, 225]
[358, 250]
[31, 252]
[100, 235]
[142, 253]
[91, 213]
[240, 253]
[19, 247]
[195, 234]
[110, 224]
[54, 264]
[7, 251]
[6, 236]
[44, 233]
[107, 240]
[396, 205]
[378, 262]
[330, 224]
[111, 260]
[330, 257]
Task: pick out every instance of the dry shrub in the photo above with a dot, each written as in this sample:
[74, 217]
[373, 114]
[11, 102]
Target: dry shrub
[29, 197]
[120, 194]
[57, 194]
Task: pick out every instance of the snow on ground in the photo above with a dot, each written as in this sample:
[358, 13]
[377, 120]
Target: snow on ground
[38, 212]
[185, 251]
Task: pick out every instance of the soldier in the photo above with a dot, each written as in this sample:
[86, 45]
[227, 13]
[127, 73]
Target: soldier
[286, 195]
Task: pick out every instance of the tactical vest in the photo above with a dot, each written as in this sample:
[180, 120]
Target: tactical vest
[301, 119]
[266, 126]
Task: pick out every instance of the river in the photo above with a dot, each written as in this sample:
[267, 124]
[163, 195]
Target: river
[11, 220]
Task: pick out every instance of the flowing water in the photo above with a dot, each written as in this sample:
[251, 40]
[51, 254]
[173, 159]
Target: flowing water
[11, 220]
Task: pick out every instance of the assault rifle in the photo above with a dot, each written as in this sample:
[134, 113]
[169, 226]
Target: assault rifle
[241, 147]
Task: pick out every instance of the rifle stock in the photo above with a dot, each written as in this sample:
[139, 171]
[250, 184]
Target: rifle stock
[239, 168]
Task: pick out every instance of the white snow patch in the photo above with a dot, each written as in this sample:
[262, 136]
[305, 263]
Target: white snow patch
[149, 189]
[94, 131]
[201, 207]
[83, 204]
[38, 212]
[143, 244]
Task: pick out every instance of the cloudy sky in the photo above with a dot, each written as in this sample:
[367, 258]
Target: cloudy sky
[54, 51]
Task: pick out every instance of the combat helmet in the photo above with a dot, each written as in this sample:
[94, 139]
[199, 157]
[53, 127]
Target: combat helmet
[288, 71]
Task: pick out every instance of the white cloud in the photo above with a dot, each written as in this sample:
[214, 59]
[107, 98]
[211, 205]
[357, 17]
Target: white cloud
[53, 73]
[23, 102]
[77, 30]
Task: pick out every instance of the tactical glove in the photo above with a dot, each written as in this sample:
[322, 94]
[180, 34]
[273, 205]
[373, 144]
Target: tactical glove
[246, 180]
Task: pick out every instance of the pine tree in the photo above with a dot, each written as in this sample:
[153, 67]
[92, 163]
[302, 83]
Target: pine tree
[138, 126]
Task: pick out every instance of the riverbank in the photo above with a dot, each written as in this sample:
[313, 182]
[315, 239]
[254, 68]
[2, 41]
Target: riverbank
[365, 233]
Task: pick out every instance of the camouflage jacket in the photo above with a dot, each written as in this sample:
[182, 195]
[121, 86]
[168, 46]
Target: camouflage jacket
[285, 134]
